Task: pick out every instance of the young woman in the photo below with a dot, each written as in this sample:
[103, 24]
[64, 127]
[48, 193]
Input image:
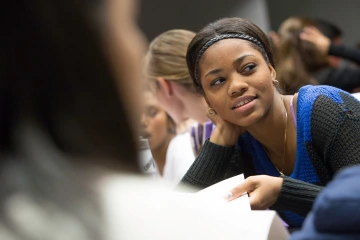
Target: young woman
[172, 153]
[166, 70]
[288, 146]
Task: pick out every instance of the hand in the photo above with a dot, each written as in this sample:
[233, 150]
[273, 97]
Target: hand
[263, 191]
[313, 35]
[274, 38]
[225, 133]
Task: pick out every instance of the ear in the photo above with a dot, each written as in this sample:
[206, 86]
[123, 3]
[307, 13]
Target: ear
[165, 86]
[272, 72]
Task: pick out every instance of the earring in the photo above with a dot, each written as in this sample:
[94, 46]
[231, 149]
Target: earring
[211, 111]
[275, 82]
[172, 129]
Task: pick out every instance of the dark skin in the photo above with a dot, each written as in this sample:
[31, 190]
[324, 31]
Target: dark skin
[275, 149]
[238, 86]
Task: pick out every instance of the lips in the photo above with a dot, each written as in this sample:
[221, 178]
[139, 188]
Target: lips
[144, 134]
[242, 101]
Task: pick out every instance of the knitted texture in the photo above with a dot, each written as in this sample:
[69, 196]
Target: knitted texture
[328, 134]
[199, 175]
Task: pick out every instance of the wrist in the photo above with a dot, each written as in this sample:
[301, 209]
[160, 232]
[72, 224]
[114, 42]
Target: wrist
[279, 182]
[220, 138]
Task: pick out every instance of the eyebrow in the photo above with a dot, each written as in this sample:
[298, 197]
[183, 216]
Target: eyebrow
[236, 62]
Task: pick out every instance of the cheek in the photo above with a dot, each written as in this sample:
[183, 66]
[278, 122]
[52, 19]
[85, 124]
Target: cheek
[263, 86]
[159, 124]
[265, 80]
[217, 102]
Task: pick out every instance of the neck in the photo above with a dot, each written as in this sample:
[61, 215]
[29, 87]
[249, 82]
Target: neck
[272, 138]
[195, 107]
[159, 154]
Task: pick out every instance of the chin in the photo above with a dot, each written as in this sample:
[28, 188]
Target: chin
[247, 121]
[152, 145]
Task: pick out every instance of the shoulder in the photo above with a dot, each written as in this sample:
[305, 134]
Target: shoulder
[181, 143]
[308, 94]
[180, 138]
[179, 156]
[322, 109]
[324, 112]
[325, 101]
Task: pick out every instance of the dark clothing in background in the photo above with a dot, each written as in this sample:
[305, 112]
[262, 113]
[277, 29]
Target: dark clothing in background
[344, 78]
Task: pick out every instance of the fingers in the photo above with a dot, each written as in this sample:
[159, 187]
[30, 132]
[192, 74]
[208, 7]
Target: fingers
[274, 37]
[255, 201]
[314, 36]
[248, 185]
[266, 192]
[308, 34]
[311, 34]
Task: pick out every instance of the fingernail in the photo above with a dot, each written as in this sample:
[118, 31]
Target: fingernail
[228, 195]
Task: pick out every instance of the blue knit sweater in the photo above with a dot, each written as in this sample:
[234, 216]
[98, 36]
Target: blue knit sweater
[304, 169]
[328, 133]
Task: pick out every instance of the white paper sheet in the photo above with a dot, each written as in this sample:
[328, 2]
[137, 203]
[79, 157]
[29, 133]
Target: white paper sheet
[138, 210]
[215, 194]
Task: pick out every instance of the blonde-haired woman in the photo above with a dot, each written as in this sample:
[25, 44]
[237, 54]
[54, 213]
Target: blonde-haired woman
[167, 72]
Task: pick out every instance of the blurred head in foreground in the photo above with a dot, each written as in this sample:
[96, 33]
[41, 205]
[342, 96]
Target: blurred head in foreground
[70, 104]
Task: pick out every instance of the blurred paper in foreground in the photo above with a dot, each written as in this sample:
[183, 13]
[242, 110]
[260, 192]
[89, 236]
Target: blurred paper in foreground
[149, 211]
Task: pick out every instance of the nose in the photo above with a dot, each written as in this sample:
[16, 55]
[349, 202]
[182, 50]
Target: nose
[144, 121]
[237, 85]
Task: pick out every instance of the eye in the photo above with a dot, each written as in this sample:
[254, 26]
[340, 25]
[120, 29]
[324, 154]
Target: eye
[152, 112]
[217, 81]
[249, 68]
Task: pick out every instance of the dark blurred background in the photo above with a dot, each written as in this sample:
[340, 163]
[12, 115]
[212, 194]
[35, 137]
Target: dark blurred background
[158, 16]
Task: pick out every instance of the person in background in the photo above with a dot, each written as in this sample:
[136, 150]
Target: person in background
[288, 146]
[334, 33]
[166, 70]
[297, 61]
[172, 153]
[335, 214]
[345, 78]
[67, 125]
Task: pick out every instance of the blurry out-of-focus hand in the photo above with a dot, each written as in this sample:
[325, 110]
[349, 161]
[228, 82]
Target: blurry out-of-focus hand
[225, 133]
[313, 35]
[274, 37]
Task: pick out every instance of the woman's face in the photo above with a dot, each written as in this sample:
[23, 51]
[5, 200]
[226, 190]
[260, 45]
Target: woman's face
[155, 124]
[126, 46]
[237, 81]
